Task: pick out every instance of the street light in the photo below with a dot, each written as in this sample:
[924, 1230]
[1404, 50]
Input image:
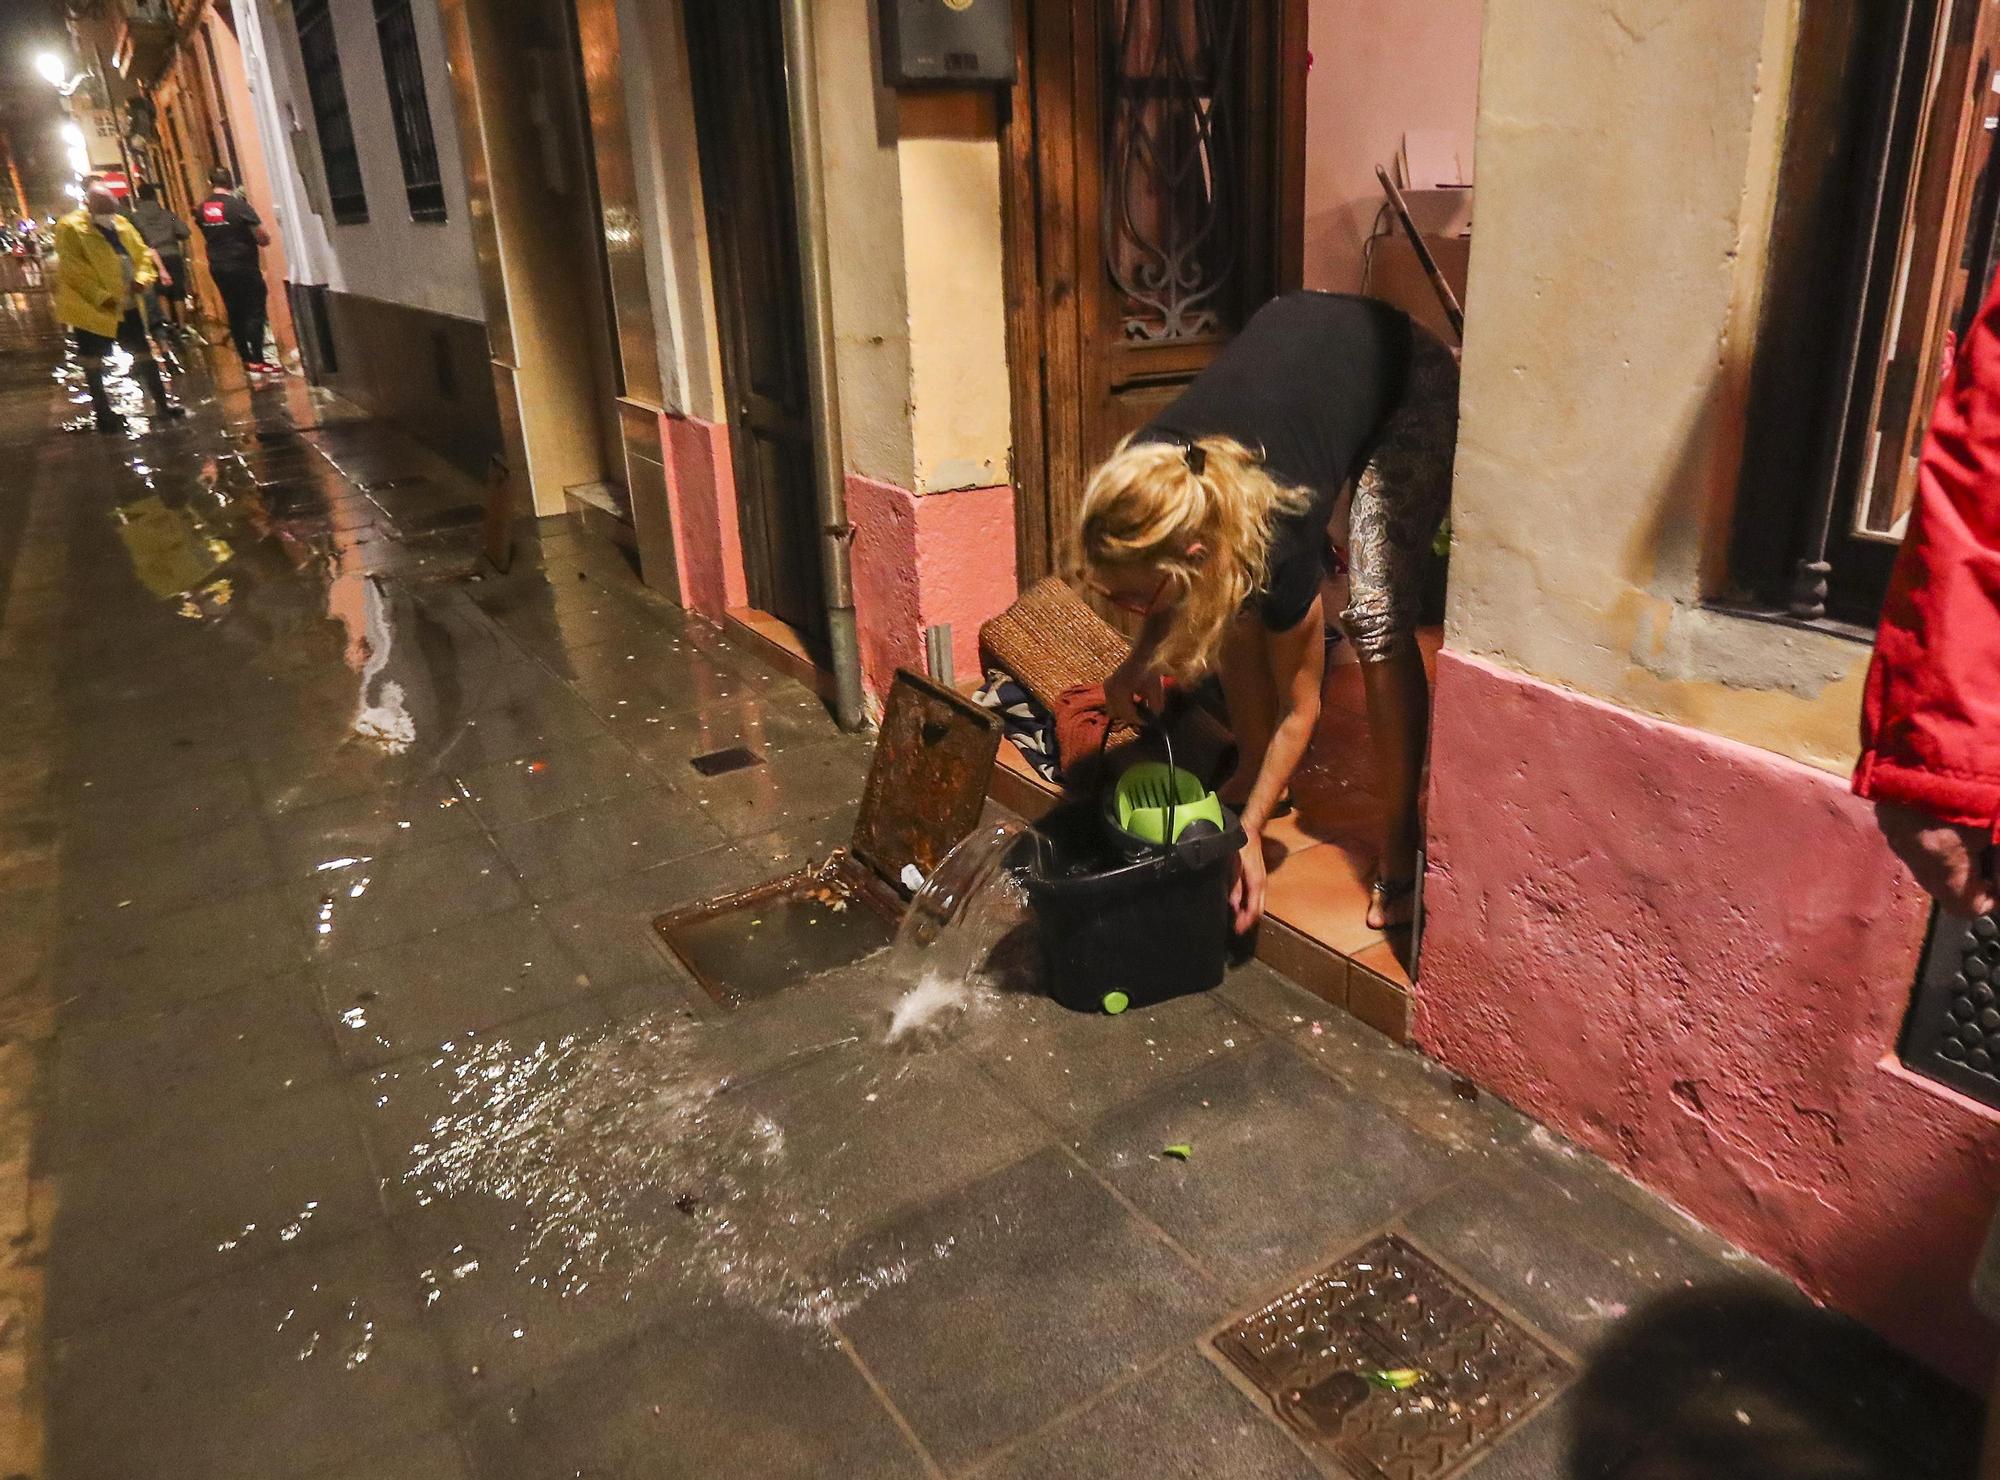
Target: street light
[56, 74]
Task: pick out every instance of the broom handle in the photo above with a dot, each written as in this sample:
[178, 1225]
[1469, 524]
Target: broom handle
[1446, 298]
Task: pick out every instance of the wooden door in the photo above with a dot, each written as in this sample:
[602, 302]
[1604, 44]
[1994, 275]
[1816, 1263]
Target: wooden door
[736, 48]
[1154, 201]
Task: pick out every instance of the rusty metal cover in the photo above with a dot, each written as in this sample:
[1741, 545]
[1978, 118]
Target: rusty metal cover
[1392, 1366]
[927, 784]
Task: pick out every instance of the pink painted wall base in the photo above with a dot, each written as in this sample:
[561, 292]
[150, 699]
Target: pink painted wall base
[701, 491]
[1695, 958]
[919, 562]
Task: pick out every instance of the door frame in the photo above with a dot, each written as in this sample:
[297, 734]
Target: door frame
[757, 520]
[1040, 211]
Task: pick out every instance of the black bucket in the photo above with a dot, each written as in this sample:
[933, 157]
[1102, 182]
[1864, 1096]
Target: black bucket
[1143, 930]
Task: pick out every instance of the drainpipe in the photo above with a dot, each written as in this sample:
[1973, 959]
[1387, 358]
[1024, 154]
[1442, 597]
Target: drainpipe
[809, 190]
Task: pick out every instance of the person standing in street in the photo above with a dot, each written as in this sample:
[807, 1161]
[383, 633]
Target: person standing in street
[102, 265]
[233, 235]
[1930, 757]
[167, 235]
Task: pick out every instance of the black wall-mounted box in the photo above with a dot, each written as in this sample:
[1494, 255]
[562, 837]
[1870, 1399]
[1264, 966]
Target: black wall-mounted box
[947, 43]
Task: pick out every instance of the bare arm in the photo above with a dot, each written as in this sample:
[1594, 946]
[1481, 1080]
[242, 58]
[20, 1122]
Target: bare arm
[1298, 669]
[1135, 683]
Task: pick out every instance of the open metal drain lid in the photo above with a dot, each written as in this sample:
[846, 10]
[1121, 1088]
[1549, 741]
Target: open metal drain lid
[1391, 1365]
[926, 789]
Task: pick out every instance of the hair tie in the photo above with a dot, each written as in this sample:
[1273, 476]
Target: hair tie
[1197, 457]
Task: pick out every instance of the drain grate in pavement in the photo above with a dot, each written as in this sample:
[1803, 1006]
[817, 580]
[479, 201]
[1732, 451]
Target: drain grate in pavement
[1391, 1365]
[722, 762]
[755, 943]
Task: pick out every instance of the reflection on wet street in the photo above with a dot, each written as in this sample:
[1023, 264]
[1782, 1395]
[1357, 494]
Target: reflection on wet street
[353, 1121]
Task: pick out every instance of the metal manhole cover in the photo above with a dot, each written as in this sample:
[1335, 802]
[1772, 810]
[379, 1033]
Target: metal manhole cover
[1391, 1365]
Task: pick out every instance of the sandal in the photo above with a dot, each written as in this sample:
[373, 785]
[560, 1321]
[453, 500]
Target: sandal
[1384, 896]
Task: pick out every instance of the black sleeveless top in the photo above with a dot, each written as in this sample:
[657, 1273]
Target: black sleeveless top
[1308, 382]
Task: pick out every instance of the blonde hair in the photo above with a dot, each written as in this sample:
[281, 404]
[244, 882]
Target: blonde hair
[1151, 503]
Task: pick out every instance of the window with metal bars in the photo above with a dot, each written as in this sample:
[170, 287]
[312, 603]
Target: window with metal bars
[1884, 244]
[410, 108]
[346, 195]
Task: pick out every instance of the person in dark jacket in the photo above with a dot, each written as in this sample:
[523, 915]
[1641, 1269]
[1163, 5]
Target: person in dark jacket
[234, 235]
[167, 235]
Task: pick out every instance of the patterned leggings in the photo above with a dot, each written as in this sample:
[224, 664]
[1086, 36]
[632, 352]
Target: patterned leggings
[1399, 500]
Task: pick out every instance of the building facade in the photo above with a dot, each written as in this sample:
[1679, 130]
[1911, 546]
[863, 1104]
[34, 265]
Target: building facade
[371, 205]
[1657, 920]
[180, 94]
[1718, 258]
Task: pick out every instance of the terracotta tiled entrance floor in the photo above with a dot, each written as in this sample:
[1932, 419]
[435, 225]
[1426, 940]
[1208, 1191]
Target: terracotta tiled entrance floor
[1316, 929]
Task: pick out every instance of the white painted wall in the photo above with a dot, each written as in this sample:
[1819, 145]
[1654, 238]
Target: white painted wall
[423, 265]
[1380, 68]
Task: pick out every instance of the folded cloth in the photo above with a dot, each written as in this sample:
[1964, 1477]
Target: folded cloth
[1023, 721]
[1082, 721]
[1199, 743]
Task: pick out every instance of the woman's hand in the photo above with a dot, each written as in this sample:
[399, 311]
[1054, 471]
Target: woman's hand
[1950, 862]
[1131, 695]
[1246, 898]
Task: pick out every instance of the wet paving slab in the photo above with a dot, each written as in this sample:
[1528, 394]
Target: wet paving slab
[376, 1133]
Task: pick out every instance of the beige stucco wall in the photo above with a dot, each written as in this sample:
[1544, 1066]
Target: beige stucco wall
[864, 201]
[1627, 151]
[913, 252]
[960, 409]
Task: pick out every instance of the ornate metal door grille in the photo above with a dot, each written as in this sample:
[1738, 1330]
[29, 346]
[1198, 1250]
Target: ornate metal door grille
[1953, 1033]
[1173, 159]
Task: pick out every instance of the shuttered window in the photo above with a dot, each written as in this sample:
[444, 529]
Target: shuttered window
[346, 195]
[409, 107]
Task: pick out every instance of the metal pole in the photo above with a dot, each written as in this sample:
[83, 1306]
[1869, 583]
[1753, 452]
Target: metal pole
[809, 190]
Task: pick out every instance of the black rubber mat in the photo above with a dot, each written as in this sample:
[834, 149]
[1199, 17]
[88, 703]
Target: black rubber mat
[1953, 1033]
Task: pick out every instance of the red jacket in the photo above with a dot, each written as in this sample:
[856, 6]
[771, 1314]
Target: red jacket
[1930, 722]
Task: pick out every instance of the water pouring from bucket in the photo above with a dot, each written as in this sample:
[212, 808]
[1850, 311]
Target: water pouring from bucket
[970, 902]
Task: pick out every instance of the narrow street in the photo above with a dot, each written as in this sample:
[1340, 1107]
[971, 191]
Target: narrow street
[355, 1124]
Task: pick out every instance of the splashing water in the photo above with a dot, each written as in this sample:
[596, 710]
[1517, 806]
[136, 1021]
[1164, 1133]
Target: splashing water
[628, 1155]
[652, 1149]
[964, 909]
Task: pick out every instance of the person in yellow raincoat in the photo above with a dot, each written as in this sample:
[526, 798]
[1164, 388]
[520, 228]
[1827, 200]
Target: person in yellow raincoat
[102, 265]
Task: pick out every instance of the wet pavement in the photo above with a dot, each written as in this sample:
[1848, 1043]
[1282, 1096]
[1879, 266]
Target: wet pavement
[353, 1122]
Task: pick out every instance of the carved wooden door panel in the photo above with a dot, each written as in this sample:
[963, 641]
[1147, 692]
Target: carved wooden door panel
[1155, 153]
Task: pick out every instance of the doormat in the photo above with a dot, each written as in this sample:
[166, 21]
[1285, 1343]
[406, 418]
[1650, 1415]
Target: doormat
[1392, 1366]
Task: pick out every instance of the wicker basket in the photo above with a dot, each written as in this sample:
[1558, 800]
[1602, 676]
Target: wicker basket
[1051, 640]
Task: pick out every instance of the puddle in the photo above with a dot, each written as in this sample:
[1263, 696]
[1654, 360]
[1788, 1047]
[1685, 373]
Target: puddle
[644, 1151]
[628, 1155]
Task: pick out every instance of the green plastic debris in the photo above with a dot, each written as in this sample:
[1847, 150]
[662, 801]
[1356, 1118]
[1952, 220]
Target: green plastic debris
[1116, 1002]
[1395, 1379]
[1179, 1151]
